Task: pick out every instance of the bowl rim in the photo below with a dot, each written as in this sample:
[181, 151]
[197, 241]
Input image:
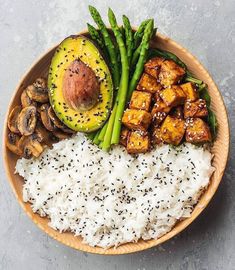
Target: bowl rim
[144, 245]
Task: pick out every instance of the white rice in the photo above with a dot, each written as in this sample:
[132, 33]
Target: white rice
[113, 198]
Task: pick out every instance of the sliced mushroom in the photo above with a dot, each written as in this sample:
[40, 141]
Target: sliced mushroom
[13, 119]
[56, 121]
[40, 83]
[67, 130]
[61, 135]
[26, 100]
[38, 94]
[46, 120]
[44, 136]
[27, 120]
[12, 143]
[30, 146]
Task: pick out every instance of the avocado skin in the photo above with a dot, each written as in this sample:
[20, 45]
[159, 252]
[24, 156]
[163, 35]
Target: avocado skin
[77, 47]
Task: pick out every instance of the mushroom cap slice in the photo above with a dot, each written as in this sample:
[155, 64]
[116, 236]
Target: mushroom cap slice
[46, 120]
[26, 100]
[27, 120]
[12, 121]
[56, 121]
[40, 83]
[30, 146]
[44, 136]
[38, 94]
[68, 130]
[12, 143]
[61, 135]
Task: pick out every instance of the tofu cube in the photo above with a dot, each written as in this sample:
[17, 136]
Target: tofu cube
[138, 142]
[173, 96]
[136, 119]
[124, 136]
[157, 97]
[156, 137]
[140, 100]
[190, 91]
[153, 66]
[149, 84]
[195, 109]
[197, 131]
[178, 112]
[170, 73]
[173, 130]
[159, 112]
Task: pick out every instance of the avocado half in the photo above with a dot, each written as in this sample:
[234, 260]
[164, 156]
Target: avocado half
[72, 49]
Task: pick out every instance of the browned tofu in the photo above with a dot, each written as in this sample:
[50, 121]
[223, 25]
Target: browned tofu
[172, 130]
[173, 96]
[136, 119]
[197, 131]
[156, 137]
[140, 100]
[138, 142]
[170, 73]
[149, 84]
[178, 112]
[190, 91]
[195, 109]
[159, 112]
[156, 96]
[124, 136]
[152, 67]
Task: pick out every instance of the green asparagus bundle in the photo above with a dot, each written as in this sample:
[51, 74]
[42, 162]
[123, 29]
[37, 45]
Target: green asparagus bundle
[120, 53]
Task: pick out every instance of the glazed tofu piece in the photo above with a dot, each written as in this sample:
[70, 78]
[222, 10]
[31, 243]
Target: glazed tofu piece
[197, 131]
[156, 137]
[140, 100]
[159, 111]
[178, 112]
[195, 109]
[170, 73]
[124, 136]
[156, 96]
[173, 130]
[173, 96]
[190, 91]
[138, 142]
[149, 84]
[153, 66]
[136, 119]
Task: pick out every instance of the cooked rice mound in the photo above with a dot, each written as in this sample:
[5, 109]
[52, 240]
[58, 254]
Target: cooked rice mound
[114, 198]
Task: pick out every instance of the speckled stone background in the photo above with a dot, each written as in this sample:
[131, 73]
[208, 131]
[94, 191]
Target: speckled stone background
[207, 29]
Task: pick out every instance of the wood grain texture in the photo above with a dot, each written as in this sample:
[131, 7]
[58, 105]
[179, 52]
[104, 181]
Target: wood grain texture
[220, 150]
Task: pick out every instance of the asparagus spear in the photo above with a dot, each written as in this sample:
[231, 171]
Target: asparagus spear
[122, 92]
[102, 132]
[108, 134]
[137, 52]
[139, 33]
[135, 56]
[143, 55]
[96, 138]
[108, 44]
[129, 37]
[95, 35]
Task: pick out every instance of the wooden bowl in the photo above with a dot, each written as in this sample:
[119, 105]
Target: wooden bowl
[220, 151]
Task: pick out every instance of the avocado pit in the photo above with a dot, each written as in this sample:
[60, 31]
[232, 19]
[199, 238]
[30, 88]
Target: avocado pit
[80, 86]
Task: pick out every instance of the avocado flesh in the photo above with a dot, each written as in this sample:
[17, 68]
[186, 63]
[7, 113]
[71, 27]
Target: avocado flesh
[71, 49]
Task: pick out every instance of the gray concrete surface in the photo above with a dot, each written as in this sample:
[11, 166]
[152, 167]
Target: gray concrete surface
[207, 29]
